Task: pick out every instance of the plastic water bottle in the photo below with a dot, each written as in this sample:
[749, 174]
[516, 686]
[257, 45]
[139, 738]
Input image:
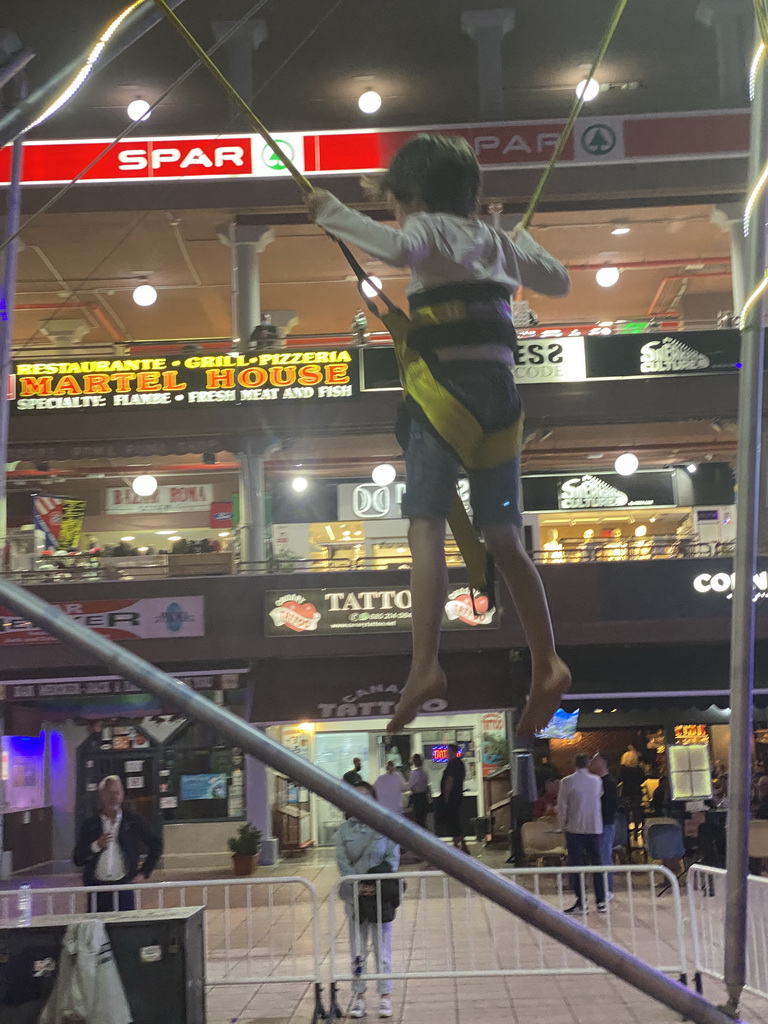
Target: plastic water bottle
[25, 905]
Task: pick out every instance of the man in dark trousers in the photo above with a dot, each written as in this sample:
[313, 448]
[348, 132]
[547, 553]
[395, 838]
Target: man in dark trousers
[580, 817]
[609, 803]
[353, 776]
[108, 848]
[452, 797]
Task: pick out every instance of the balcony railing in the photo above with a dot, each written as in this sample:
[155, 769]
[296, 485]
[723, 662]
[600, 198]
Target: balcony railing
[83, 569]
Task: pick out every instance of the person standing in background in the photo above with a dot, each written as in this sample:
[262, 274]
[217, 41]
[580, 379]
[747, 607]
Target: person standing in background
[452, 797]
[609, 805]
[389, 789]
[418, 783]
[108, 848]
[580, 817]
[353, 776]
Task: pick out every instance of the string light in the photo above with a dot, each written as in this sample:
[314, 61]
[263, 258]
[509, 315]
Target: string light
[762, 21]
[87, 68]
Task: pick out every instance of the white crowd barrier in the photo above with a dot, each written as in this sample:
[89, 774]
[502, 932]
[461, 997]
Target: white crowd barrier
[442, 929]
[706, 901]
[258, 931]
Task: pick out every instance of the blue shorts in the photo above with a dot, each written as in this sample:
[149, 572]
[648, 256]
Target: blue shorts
[432, 468]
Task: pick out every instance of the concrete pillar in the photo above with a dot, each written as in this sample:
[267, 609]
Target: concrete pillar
[252, 526]
[247, 242]
[238, 54]
[730, 217]
[733, 23]
[487, 29]
[257, 807]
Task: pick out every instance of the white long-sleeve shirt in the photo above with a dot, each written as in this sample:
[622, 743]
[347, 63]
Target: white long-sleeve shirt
[440, 248]
[579, 807]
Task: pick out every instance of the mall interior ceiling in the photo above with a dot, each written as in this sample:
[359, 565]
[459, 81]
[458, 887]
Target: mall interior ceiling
[82, 260]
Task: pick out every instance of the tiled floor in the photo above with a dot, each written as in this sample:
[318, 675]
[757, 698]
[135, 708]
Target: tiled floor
[266, 931]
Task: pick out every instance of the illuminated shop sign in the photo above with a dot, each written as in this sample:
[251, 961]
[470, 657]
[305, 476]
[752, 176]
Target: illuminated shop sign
[65, 386]
[580, 357]
[330, 612]
[608, 140]
[723, 583]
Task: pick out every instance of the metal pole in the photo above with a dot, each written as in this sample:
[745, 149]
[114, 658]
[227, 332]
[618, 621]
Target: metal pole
[6, 319]
[745, 564]
[137, 23]
[252, 524]
[466, 870]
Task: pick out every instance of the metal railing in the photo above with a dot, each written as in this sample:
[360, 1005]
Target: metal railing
[444, 930]
[258, 931]
[707, 902]
[82, 569]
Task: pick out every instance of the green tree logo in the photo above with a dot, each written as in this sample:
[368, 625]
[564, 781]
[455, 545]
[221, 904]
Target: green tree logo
[272, 161]
[599, 140]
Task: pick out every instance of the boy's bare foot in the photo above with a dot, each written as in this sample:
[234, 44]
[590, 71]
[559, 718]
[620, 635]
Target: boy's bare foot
[419, 688]
[547, 688]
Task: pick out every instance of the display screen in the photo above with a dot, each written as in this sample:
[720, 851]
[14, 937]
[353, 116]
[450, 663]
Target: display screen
[562, 726]
[203, 787]
[439, 754]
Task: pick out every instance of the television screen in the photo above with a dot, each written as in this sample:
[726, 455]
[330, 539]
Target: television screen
[562, 726]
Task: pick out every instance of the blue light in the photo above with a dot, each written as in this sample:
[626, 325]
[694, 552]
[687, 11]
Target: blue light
[3, 308]
[738, 365]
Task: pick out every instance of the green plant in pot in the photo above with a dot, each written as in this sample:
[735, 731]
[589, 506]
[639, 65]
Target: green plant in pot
[245, 847]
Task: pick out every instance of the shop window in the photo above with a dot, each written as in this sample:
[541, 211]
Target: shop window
[201, 781]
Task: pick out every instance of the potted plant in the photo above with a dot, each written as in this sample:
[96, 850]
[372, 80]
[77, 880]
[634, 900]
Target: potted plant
[245, 846]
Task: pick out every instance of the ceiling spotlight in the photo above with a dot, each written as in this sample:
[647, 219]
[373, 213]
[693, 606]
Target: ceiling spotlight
[369, 286]
[384, 474]
[144, 485]
[299, 484]
[139, 110]
[144, 295]
[626, 464]
[174, 538]
[607, 277]
[621, 229]
[126, 539]
[691, 467]
[369, 102]
[588, 89]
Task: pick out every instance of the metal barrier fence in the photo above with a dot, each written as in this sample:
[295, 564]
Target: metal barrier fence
[707, 902]
[442, 929]
[258, 931]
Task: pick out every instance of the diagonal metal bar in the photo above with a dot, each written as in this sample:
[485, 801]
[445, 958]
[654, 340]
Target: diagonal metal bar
[466, 870]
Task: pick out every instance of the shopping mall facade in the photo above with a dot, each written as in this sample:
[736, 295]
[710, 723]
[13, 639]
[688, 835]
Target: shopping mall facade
[290, 604]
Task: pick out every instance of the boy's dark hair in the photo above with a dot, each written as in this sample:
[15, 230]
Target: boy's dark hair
[440, 171]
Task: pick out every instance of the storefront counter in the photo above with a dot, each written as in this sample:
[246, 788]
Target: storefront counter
[28, 837]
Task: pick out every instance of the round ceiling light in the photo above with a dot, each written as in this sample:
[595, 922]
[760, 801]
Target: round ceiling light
[384, 474]
[144, 485]
[369, 286]
[139, 110]
[626, 464]
[299, 484]
[588, 89]
[369, 102]
[144, 295]
[607, 277]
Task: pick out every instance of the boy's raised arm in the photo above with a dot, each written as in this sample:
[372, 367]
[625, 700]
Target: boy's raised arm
[399, 248]
[536, 269]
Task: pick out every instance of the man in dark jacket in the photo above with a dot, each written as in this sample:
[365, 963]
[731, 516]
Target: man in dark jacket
[609, 804]
[108, 848]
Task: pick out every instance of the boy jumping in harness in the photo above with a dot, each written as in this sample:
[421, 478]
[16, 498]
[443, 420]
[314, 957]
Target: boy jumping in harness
[462, 274]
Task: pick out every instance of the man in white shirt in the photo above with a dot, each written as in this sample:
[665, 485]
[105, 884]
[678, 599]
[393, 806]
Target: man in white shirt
[389, 789]
[108, 847]
[580, 817]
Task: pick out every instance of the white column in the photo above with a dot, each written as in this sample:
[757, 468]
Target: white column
[730, 217]
[247, 242]
[487, 29]
[257, 807]
[238, 53]
[733, 23]
[252, 526]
